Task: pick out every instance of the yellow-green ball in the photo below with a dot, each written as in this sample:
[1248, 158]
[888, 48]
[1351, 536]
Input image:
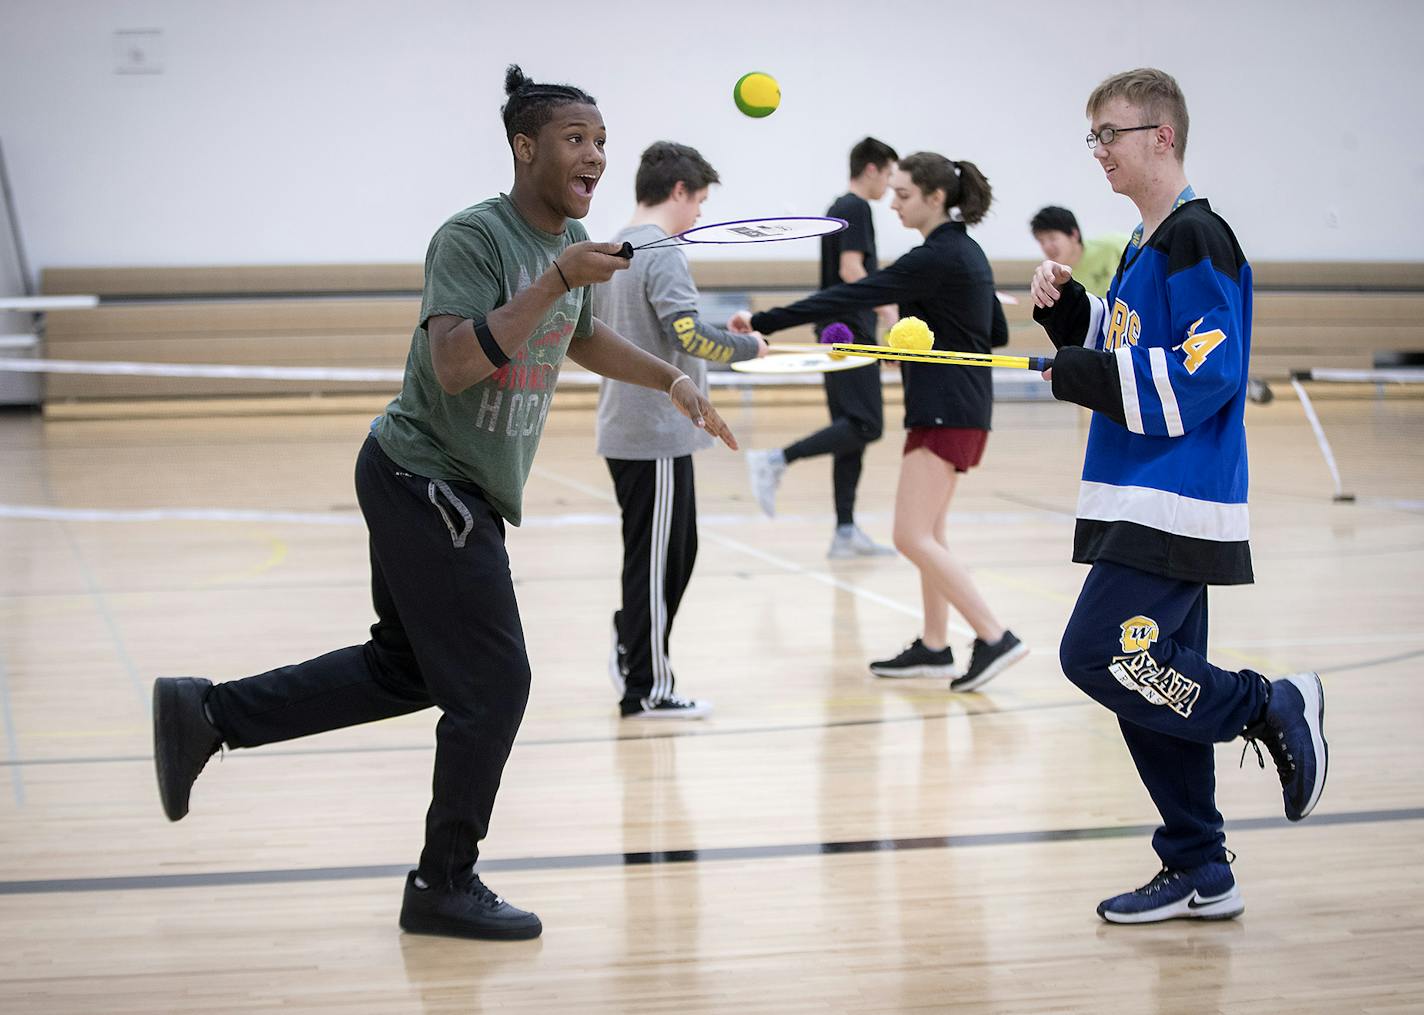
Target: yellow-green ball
[911, 333]
[757, 94]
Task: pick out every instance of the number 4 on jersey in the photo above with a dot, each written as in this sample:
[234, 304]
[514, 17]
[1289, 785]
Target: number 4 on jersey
[1199, 347]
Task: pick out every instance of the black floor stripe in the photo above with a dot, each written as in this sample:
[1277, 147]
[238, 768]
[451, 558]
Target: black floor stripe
[221, 879]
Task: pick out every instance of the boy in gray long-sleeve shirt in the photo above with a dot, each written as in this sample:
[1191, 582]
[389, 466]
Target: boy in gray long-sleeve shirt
[649, 448]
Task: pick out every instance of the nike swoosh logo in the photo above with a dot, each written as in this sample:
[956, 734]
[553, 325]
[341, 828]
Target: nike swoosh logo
[1197, 902]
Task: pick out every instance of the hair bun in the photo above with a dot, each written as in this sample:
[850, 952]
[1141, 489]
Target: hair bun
[514, 79]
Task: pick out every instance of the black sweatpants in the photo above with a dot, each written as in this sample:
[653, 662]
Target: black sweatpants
[659, 508]
[447, 633]
[857, 407]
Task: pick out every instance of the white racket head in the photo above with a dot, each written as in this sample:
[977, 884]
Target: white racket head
[801, 363]
[765, 230]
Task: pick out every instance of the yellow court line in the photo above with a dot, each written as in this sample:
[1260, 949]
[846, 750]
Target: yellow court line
[277, 553]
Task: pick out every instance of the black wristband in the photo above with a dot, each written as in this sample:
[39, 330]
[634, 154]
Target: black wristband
[563, 277]
[493, 352]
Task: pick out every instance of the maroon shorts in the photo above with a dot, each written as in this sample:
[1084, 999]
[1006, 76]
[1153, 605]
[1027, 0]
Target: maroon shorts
[960, 446]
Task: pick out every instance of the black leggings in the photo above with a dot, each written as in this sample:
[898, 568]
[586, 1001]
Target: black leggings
[447, 634]
[857, 412]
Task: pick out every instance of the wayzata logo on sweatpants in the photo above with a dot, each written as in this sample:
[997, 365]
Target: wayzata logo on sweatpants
[1138, 671]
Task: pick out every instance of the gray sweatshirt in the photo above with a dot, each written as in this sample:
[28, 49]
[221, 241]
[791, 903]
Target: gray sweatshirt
[654, 305]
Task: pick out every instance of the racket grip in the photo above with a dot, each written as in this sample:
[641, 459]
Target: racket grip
[626, 252]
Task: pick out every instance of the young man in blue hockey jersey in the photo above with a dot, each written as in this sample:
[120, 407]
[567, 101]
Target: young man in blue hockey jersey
[1162, 507]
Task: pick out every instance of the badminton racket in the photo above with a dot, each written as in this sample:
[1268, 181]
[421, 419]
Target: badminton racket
[966, 359]
[819, 362]
[774, 348]
[767, 230]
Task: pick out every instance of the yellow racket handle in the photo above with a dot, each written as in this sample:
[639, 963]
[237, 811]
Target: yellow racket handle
[965, 359]
[869, 350]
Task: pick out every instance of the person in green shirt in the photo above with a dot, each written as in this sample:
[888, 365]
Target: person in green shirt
[1094, 262]
[507, 297]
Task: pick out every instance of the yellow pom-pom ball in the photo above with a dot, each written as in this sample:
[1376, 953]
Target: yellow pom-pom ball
[757, 94]
[911, 333]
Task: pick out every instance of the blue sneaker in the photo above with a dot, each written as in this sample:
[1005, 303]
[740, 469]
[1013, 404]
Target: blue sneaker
[1207, 892]
[1293, 730]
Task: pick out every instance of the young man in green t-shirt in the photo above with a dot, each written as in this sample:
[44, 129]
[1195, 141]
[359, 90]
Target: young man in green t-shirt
[507, 296]
[1094, 262]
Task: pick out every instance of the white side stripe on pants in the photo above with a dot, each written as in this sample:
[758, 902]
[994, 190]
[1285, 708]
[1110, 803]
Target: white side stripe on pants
[661, 534]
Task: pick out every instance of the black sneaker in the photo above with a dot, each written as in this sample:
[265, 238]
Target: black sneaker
[671, 707]
[918, 661]
[471, 911]
[1293, 730]
[183, 739]
[987, 661]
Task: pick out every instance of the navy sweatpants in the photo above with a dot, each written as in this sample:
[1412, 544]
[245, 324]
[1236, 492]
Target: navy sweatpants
[1136, 643]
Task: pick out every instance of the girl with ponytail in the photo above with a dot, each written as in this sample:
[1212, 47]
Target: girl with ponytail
[948, 284]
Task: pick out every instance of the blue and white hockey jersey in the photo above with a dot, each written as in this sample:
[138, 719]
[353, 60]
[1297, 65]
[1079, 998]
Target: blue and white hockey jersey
[1162, 361]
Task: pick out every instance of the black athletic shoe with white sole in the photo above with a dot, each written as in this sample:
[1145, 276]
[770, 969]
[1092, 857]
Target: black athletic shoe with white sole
[471, 911]
[671, 707]
[1293, 730]
[183, 739]
[987, 661]
[918, 661]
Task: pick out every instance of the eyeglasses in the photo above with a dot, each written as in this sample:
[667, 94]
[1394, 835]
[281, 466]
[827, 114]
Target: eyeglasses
[1108, 135]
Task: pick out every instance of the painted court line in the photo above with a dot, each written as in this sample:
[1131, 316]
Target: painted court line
[12, 747]
[227, 879]
[762, 555]
[106, 614]
[44, 513]
[686, 733]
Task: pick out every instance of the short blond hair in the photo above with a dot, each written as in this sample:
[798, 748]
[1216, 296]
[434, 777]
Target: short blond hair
[1153, 91]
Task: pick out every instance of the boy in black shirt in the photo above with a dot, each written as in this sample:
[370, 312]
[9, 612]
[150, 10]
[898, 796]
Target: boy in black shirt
[853, 396]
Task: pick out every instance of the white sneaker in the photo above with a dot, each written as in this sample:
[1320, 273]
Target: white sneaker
[851, 541]
[764, 469]
[671, 708]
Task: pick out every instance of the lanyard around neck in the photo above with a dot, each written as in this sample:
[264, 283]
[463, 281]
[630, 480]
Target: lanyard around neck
[1187, 195]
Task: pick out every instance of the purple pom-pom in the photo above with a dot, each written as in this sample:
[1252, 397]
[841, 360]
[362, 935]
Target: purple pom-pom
[836, 334]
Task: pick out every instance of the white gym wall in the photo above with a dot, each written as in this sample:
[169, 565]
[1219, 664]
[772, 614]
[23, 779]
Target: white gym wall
[301, 131]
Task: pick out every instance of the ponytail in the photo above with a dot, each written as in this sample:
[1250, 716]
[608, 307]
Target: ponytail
[964, 186]
[975, 194]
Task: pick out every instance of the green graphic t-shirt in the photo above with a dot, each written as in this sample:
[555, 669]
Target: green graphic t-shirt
[1099, 263]
[487, 434]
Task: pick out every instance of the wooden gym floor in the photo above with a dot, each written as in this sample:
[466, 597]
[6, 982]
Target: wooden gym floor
[824, 843]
